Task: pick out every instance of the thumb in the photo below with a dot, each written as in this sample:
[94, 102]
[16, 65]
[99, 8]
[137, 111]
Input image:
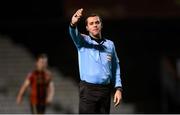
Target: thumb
[115, 99]
[81, 10]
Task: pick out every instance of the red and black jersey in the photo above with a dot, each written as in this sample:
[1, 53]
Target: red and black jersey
[39, 81]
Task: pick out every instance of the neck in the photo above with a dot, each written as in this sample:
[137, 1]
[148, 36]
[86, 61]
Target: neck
[40, 69]
[98, 36]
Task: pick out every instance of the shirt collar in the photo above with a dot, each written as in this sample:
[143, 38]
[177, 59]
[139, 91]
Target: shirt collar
[99, 41]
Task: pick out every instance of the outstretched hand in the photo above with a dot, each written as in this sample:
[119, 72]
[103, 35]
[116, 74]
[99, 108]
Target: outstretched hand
[76, 17]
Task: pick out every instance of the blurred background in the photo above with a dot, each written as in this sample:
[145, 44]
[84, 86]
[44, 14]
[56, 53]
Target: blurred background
[145, 32]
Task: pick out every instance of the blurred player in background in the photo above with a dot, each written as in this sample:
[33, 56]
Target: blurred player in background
[41, 86]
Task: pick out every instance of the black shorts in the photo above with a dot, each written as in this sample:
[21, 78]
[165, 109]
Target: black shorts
[94, 98]
[38, 108]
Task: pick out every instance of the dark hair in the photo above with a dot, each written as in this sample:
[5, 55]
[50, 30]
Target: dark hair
[41, 56]
[93, 15]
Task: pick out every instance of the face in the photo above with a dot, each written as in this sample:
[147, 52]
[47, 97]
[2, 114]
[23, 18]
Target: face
[94, 26]
[41, 63]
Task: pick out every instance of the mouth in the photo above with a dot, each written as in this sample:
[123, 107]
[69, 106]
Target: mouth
[95, 29]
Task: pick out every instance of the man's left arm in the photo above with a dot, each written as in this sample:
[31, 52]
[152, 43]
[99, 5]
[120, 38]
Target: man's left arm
[50, 92]
[117, 78]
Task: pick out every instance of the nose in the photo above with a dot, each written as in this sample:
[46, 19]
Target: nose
[95, 25]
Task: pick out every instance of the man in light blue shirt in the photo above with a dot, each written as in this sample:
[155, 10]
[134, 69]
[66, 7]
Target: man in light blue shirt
[98, 65]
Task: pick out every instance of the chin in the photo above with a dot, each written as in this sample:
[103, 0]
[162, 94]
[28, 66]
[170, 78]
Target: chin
[95, 34]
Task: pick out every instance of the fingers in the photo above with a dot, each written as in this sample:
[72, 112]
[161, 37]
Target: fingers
[78, 13]
[18, 101]
[116, 101]
[109, 57]
[76, 17]
[48, 100]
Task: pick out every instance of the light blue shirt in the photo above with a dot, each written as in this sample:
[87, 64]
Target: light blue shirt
[98, 62]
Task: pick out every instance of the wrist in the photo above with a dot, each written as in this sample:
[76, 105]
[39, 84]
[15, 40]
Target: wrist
[72, 24]
[119, 89]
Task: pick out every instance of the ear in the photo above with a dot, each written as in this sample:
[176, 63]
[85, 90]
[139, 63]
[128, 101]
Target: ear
[87, 28]
[101, 25]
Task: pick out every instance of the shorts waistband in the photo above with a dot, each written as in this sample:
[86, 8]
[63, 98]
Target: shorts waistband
[95, 85]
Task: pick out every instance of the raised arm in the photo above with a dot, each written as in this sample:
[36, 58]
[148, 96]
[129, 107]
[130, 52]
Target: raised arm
[22, 90]
[75, 35]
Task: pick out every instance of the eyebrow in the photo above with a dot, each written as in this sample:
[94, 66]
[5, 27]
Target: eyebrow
[95, 21]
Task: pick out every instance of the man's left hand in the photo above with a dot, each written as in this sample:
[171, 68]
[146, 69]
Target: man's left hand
[117, 98]
[48, 101]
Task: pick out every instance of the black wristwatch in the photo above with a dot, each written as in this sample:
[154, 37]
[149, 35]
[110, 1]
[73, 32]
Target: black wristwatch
[119, 88]
[72, 25]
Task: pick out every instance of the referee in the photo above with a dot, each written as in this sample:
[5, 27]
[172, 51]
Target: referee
[98, 65]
